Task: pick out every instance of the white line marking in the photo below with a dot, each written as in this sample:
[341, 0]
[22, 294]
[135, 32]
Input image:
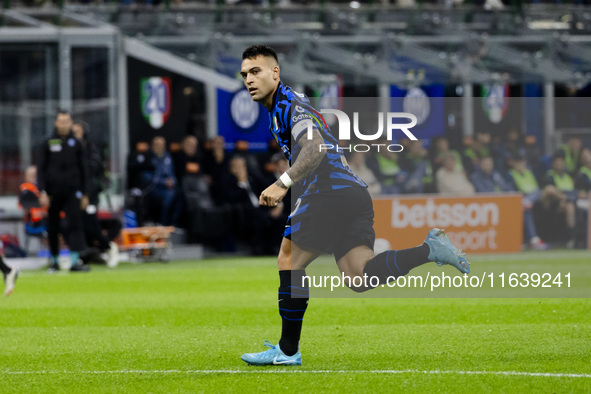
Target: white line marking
[302, 371]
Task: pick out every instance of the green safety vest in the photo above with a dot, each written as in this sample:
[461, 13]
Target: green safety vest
[586, 171]
[526, 182]
[388, 168]
[570, 160]
[428, 178]
[472, 154]
[563, 182]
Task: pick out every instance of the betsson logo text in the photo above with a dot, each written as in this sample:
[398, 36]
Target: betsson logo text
[456, 215]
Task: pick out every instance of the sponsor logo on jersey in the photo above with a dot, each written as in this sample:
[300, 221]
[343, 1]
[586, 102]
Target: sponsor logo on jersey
[155, 100]
[299, 117]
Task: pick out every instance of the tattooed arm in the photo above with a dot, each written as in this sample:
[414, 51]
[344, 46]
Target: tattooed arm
[309, 158]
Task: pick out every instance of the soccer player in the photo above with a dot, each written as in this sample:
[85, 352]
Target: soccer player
[333, 214]
[10, 273]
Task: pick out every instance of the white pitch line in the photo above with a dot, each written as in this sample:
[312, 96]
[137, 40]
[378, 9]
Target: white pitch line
[300, 371]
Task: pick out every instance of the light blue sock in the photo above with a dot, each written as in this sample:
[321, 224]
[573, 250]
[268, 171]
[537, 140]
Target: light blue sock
[74, 256]
[55, 259]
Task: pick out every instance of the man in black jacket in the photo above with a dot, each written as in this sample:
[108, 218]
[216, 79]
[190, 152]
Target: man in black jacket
[253, 223]
[63, 174]
[92, 226]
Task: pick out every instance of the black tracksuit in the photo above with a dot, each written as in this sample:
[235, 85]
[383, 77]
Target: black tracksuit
[92, 225]
[63, 174]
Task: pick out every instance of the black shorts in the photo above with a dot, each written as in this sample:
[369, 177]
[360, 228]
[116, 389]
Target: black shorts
[333, 222]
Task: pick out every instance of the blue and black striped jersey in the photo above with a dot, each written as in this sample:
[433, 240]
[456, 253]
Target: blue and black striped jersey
[288, 122]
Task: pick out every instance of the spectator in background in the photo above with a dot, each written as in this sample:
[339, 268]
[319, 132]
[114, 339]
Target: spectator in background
[357, 163]
[63, 182]
[241, 148]
[193, 181]
[216, 164]
[28, 199]
[386, 169]
[187, 160]
[583, 181]
[583, 185]
[96, 167]
[216, 159]
[272, 149]
[163, 185]
[279, 217]
[139, 162]
[277, 165]
[254, 222]
[270, 166]
[522, 179]
[558, 177]
[486, 179]
[478, 148]
[452, 180]
[512, 146]
[440, 149]
[571, 152]
[415, 162]
[96, 180]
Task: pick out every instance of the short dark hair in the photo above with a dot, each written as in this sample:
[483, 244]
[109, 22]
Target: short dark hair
[558, 155]
[263, 50]
[62, 112]
[518, 157]
[85, 127]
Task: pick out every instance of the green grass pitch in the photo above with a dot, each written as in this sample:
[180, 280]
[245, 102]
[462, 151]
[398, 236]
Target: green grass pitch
[181, 327]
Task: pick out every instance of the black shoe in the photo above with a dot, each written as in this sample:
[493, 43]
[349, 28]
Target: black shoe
[80, 268]
[92, 255]
[54, 267]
